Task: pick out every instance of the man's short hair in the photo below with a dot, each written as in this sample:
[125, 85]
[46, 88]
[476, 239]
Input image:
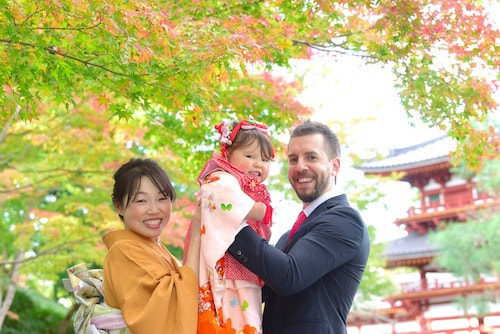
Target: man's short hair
[310, 128]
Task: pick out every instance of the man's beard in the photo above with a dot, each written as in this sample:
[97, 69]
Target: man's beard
[321, 185]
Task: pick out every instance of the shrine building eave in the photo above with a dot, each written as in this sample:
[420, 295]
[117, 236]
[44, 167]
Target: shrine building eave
[423, 157]
[414, 250]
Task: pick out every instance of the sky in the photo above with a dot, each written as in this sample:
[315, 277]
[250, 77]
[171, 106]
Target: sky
[348, 89]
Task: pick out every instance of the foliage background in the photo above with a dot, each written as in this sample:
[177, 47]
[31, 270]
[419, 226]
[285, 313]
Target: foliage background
[86, 85]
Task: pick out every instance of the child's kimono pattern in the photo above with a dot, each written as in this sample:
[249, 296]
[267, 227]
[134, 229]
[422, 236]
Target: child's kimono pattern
[230, 298]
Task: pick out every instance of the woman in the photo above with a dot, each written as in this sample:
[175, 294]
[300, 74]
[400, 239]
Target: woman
[153, 291]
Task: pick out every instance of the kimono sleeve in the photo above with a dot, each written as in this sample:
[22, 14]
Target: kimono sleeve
[154, 294]
[224, 207]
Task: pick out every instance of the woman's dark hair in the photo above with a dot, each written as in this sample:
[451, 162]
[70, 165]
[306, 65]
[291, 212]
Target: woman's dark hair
[247, 137]
[128, 180]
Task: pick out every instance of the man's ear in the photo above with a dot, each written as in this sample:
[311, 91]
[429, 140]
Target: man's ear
[335, 166]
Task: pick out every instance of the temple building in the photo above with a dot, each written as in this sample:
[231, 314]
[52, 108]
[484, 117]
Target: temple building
[428, 302]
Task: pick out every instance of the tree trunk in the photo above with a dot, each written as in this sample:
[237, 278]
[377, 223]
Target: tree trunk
[11, 287]
[66, 322]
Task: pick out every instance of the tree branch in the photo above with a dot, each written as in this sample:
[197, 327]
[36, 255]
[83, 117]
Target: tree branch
[11, 287]
[66, 171]
[54, 51]
[334, 48]
[52, 250]
[31, 15]
[7, 125]
[38, 182]
[17, 189]
[73, 28]
[37, 11]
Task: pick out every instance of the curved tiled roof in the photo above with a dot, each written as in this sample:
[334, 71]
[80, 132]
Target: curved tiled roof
[424, 154]
[410, 247]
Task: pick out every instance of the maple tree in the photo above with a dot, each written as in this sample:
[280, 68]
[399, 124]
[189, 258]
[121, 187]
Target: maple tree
[182, 56]
[53, 195]
[87, 84]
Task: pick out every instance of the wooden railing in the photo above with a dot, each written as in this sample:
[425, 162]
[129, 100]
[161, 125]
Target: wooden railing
[435, 284]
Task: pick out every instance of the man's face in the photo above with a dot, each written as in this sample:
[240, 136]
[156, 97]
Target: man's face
[310, 171]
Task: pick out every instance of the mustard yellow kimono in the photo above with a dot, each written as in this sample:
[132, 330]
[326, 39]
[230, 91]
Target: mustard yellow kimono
[154, 293]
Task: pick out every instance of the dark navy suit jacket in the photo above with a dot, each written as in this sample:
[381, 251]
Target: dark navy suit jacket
[310, 280]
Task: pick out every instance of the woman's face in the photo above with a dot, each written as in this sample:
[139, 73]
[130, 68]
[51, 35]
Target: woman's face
[148, 212]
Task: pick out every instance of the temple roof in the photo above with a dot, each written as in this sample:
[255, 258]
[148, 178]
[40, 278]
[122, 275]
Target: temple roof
[409, 250]
[428, 153]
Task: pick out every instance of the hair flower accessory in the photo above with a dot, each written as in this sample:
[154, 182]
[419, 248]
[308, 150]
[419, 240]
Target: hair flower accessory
[224, 129]
[228, 132]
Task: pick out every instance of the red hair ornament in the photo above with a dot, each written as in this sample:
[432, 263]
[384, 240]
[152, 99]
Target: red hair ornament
[227, 133]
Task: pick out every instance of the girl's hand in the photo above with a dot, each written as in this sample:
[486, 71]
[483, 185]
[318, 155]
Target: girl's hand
[257, 212]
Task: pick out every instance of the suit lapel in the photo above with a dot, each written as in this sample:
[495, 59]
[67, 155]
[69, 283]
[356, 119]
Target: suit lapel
[285, 244]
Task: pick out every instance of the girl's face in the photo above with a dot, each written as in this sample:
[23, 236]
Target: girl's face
[249, 160]
[148, 211]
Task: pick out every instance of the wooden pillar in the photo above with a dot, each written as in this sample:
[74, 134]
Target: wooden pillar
[483, 329]
[424, 326]
[423, 279]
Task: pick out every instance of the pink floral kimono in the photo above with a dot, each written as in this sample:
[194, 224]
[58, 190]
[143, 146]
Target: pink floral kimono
[230, 298]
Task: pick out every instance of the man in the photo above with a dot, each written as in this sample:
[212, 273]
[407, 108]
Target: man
[311, 276]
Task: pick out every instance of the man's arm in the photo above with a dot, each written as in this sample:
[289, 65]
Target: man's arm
[335, 238]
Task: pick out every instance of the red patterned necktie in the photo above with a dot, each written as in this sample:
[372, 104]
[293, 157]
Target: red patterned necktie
[302, 216]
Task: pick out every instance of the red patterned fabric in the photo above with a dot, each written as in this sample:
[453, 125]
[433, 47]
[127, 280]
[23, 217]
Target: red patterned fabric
[256, 191]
